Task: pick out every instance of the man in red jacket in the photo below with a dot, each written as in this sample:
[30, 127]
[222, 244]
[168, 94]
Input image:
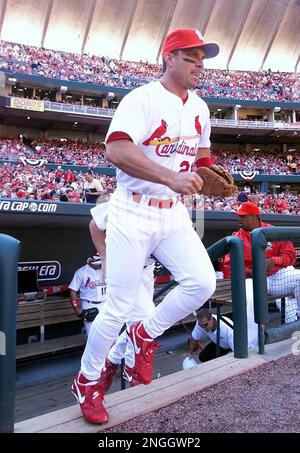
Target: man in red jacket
[282, 277]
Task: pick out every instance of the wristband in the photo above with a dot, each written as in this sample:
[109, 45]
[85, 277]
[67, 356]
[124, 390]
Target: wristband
[204, 162]
[74, 303]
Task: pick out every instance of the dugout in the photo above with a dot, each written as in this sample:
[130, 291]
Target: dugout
[55, 237]
[55, 240]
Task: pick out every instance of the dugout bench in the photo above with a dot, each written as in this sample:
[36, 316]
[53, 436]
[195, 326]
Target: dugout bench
[57, 310]
[42, 313]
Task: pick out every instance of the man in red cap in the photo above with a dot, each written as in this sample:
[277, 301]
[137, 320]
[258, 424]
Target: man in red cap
[282, 277]
[158, 132]
[280, 255]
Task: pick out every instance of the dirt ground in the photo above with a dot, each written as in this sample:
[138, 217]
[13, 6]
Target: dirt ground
[263, 400]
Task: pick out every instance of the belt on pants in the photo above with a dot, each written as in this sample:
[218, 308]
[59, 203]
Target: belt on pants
[94, 302]
[156, 202]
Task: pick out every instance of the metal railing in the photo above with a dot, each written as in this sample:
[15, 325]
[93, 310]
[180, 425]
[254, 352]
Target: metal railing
[235, 247]
[259, 239]
[245, 124]
[9, 256]
[81, 109]
[109, 113]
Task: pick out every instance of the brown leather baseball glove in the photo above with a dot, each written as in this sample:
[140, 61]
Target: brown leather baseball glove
[216, 181]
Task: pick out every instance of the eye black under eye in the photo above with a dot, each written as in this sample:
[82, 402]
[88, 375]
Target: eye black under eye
[189, 60]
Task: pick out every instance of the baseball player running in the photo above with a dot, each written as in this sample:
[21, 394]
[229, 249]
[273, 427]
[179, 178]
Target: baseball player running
[158, 131]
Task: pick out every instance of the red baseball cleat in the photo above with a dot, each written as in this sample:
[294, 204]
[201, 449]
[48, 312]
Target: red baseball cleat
[144, 349]
[89, 395]
[108, 372]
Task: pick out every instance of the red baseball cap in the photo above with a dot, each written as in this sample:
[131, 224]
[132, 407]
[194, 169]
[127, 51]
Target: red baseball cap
[185, 38]
[248, 208]
[21, 193]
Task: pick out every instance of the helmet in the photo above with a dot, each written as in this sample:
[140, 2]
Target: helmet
[94, 260]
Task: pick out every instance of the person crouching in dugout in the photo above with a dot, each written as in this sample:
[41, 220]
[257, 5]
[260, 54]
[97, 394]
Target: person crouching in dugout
[206, 329]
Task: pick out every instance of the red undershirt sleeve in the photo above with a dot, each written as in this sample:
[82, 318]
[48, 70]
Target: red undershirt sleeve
[118, 135]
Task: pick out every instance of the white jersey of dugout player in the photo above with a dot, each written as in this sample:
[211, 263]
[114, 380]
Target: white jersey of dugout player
[173, 132]
[90, 283]
[226, 334]
[91, 286]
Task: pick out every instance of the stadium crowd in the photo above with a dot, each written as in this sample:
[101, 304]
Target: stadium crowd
[65, 151]
[286, 203]
[264, 162]
[39, 183]
[79, 152]
[248, 85]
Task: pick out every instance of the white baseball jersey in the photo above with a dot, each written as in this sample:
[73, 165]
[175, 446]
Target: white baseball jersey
[90, 283]
[167, 131]
[226, 334]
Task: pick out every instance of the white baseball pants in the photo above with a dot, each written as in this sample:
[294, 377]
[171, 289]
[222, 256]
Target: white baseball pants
[134, 231]
[143, 308]
[285, 281]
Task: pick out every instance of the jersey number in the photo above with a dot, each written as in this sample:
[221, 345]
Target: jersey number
[185, 166]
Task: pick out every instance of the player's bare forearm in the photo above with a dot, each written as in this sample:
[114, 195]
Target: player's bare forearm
[269, 264]
[193, 346]
[73, 294]
[129, 158]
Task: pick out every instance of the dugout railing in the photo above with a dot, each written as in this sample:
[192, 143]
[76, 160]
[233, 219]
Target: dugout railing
[260, 238]
[9, 255]
[233, 246]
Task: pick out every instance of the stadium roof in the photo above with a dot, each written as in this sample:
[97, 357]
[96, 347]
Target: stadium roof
[252, 34]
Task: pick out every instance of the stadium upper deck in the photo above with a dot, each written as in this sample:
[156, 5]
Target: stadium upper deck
[215, 83]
